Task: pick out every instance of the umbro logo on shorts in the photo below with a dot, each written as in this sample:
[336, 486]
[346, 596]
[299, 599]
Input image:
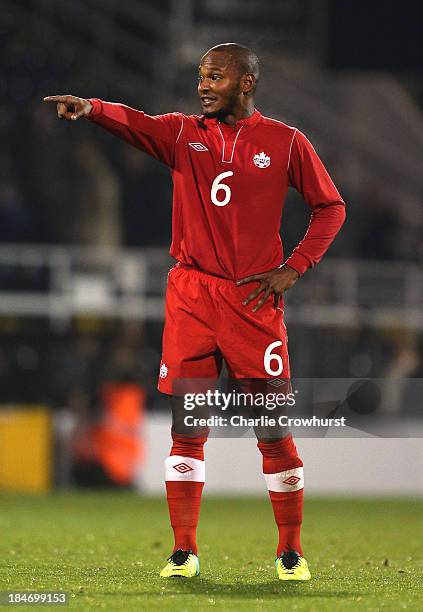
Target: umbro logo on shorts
[198, 146]
[183, 468]
[163, 370]
[276, 382]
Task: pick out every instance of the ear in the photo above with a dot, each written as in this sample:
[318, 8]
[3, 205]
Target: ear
[248, 84]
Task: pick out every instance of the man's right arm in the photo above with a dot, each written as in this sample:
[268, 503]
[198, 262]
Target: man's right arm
[155, 135]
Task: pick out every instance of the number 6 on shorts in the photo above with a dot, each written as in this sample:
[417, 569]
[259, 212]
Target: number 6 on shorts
[269, 357]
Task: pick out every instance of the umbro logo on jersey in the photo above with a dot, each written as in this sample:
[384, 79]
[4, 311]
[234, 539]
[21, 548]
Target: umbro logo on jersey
[198, 146]
[261, 160]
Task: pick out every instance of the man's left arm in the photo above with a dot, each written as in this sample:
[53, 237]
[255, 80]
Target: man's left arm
[307, 175]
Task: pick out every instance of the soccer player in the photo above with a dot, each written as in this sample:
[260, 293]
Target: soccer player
[231, 168]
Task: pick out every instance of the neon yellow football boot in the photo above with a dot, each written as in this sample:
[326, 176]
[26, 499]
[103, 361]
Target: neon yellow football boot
[291, 566]
[182, 563]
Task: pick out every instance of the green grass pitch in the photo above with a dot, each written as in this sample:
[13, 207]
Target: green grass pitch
[106, 549]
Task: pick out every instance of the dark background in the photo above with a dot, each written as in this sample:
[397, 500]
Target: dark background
[348, 74]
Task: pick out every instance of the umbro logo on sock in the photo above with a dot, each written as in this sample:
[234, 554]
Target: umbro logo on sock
[182, 468]
[292, 480]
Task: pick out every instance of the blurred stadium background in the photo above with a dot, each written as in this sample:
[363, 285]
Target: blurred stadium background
[85, 229]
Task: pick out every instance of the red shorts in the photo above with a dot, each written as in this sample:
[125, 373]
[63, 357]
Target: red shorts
[206, 322]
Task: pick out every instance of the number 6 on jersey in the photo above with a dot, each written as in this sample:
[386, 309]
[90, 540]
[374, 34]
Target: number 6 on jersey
[218, 186]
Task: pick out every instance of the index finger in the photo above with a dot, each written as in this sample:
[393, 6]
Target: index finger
[249, 279]
[63, 99]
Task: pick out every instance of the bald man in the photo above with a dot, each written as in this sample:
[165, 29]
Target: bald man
[231, 169]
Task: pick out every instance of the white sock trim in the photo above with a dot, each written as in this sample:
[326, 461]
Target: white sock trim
[285, 482]
[185, 469]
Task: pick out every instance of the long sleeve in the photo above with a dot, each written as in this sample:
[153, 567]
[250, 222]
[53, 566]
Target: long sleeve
[155, 135]
[309, 177]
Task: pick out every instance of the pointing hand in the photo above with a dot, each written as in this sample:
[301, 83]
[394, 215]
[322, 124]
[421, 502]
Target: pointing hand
[70, 107]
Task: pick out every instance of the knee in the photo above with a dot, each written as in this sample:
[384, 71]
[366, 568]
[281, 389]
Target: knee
[189, 445]
[179, 424]
[279, 454]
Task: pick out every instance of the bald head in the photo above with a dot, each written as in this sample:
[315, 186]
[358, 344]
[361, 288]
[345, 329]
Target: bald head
[244, 58]
[227, 80]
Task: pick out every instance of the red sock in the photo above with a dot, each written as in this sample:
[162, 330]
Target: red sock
[184, 485]
[283, 472]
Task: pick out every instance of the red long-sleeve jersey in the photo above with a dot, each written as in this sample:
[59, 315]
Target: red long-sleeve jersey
[230, 184]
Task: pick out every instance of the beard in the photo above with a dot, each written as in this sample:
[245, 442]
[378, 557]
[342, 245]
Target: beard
[218, 114]
[229, 106]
